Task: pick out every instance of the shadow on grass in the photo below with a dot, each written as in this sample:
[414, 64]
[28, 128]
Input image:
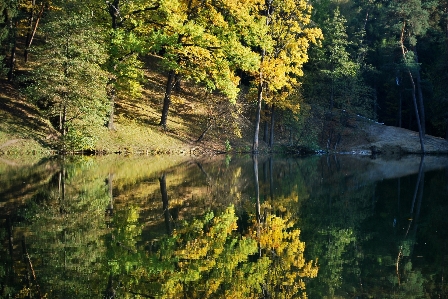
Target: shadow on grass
[21, 118]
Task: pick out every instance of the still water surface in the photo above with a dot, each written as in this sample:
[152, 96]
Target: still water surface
[224, 227]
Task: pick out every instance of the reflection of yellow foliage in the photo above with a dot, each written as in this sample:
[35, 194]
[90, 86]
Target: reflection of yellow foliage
[207, 258]
[280, 242]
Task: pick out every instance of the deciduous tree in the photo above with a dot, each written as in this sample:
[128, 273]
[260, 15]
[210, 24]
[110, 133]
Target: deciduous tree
[284, 51]
[69, 83]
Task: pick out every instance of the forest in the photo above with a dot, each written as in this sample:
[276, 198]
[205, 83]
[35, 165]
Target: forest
[293, 64]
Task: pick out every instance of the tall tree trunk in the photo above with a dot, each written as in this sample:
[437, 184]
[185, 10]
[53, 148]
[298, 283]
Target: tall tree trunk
[414, 98]
[265, 131]
[265, 125]
[271, 138]
[110, 123]
[417, 116]
[109, 293]
[12, 58]
[30, 29]
[114, 12]
[420, 97]
[167, 99]
[268, 5]
[331, 95]
[257, 116]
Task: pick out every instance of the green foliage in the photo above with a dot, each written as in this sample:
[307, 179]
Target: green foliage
[124, 64]
[338, 77]
[69, 83]
[8, 11]
[197, 41]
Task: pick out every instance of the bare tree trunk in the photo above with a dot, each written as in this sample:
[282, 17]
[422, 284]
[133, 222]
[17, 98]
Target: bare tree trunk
[265, 125]
[331, 95]
[265, 131]
[414, 99]
[420, 98]
[271, 138]
[167, 99]
[30, 29]
[12, 58]
[110, 123]
[417, 116]
[260, 85]
[257, 116]
[114, 12]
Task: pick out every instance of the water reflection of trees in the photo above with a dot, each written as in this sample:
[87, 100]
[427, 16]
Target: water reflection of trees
[158, 228]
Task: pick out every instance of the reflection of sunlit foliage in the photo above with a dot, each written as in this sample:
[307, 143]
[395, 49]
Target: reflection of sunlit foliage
[208, 258]
[280, 242]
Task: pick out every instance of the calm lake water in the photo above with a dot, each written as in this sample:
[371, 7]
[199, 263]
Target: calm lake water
[224, 227]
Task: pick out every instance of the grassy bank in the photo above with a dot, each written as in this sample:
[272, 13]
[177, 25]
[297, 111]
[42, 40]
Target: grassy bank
[24, 131]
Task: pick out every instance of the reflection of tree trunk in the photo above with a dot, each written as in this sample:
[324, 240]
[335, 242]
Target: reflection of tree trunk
[110, 207]
[265, 171]
[398, 199]
[400, 104]
[419, 203]
[62, 188]
[271, 137]
[418, 183]
[11, 250]
[257, 187]
[208, 178]
[10, 237]
[30, 268]
[414, 217]
[166, 211]
[257, 197]
[271, 178]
